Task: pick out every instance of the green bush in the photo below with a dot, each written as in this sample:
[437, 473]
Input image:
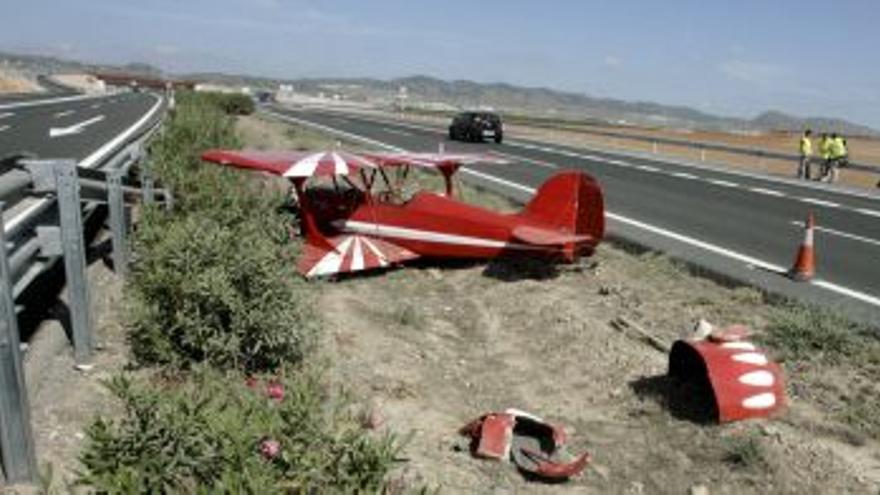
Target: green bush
[205, 292]
[214, 434]
[214, 282]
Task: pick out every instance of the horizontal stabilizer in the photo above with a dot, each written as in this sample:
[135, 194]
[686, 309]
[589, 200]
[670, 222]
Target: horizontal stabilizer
[546, 237]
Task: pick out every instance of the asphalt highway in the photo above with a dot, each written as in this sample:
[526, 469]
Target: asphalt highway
[73, 126]
[746, 227]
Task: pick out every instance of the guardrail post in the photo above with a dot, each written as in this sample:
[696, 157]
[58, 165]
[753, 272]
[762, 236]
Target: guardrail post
[73, 244]
[116, 205]
[702, 153]
[16, 437]
[654, 147]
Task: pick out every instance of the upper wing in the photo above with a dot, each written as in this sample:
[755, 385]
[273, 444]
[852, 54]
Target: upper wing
[274, 162]
[351, 253]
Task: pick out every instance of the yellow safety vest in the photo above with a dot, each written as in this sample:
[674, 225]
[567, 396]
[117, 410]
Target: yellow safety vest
[839, 148]
[806, 146]
[825, 148]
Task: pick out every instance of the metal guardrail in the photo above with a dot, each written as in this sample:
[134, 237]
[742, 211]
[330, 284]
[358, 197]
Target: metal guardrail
[50, 201]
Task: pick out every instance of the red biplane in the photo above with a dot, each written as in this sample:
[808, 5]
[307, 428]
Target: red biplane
[355, 214]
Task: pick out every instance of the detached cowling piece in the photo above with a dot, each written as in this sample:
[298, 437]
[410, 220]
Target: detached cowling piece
[536, 447]
[741, 379]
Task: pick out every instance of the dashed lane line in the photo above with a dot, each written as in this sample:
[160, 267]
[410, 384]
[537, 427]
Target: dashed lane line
[63, 114]
[722, 183]
[6, 115]
[820, 202]
[865, 211]
[768, 192]
[685, 175]
[839, 233]
[4, 127]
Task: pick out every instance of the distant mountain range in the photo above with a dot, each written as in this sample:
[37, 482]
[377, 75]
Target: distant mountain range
[431, 92]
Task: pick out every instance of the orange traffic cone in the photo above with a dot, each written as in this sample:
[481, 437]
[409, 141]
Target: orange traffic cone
[805, 264]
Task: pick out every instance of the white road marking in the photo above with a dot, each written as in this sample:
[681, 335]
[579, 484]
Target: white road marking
[728, 253]
[647, 168]
[89, 162]
[768, 192]
[35, 103]
[619, 163]
[5, 115]
[865, 211]
[855, 237]
[92, 159]
[4, 127]
[63, 114]
[75, 128]
[395, 131]
[685, 175]
[527, 160]
[820, 202]
[96, 105]
[723, 183]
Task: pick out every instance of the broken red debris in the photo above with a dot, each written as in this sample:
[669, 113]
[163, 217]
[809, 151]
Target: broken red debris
[534, 446]
[742, 379]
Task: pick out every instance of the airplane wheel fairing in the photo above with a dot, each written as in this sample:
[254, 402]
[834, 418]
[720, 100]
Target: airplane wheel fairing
[743, 382]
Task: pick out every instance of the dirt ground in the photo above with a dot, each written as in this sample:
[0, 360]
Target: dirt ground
[433, 347]
[863, 150]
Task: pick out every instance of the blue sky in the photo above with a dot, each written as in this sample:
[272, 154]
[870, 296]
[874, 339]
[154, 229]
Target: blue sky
[733, 58]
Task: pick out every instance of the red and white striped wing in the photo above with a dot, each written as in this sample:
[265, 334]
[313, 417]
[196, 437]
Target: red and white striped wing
[328, 163]
[352, 253]
[292, 163]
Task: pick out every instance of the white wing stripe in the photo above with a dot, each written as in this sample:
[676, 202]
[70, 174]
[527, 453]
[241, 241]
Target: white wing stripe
[341, 166]
[357, 256]
[305, 167]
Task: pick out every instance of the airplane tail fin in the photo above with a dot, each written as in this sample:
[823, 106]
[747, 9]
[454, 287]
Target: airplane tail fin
[570, 202]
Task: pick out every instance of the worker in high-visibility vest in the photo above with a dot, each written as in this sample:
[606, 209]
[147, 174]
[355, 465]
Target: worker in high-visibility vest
[806, 150]
[837, 157]
[825, 153]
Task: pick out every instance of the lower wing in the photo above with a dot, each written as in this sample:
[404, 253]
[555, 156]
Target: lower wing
[351, 253]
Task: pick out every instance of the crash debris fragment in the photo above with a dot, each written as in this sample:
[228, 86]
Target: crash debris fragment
[536, 447]
[740, 378]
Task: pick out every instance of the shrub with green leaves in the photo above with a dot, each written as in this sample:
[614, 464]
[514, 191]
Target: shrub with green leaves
[217, 432]
[202, 291]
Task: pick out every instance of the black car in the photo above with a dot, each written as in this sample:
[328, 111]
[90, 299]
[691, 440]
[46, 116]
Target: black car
[476, 126]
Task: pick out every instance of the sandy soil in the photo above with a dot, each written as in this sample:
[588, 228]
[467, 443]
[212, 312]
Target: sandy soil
[431, 348]
[13, 82]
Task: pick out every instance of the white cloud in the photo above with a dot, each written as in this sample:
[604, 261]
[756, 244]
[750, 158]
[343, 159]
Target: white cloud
[612, 61]
[754, 72]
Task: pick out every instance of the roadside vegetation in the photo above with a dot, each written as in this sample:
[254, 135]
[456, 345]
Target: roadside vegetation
[227, 393]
